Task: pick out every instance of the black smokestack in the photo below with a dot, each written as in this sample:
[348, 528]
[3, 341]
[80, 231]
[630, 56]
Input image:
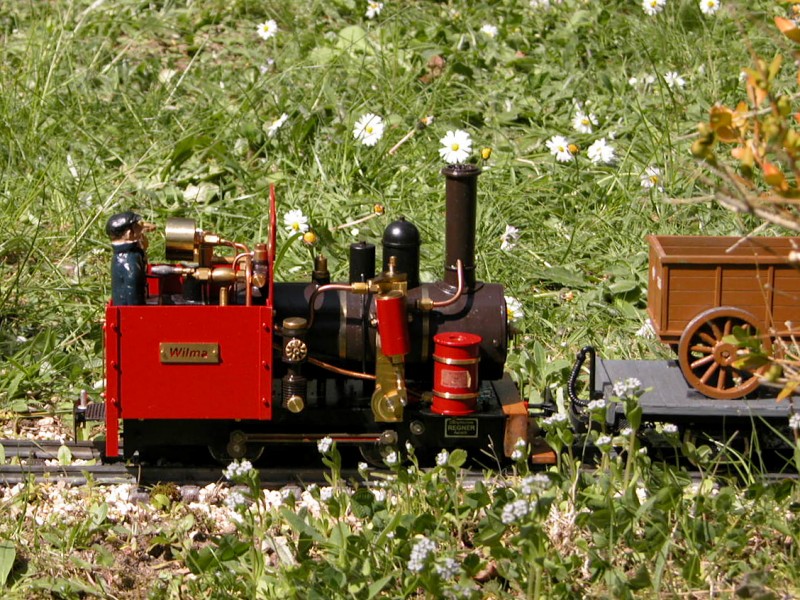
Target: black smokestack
[461, 199]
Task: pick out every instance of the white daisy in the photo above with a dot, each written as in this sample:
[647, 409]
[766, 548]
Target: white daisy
[295, 221]
[709, 7]
[368, 129]
[633, 81]
[653, 7]
[514, 311]
[559, 147]
[673, 79]
[489, 30]
[273, 127]
[456, 146]
[374, 9]
[267, 29]
[509, 238]
[600, 152]
[651, 178]
[582, 123]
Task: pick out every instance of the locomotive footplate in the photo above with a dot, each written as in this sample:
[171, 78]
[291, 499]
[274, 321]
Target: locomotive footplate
[669, 398]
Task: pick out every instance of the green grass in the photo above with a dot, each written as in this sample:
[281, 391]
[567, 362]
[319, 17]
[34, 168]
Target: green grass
[125, 104]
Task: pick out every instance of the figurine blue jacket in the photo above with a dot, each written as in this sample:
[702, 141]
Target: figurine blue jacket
[128, 274]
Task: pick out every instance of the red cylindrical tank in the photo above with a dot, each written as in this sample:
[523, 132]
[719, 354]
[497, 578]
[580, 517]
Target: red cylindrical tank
[455, 373]
[393, 323]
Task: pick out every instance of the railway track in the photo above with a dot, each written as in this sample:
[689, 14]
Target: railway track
[38, 460]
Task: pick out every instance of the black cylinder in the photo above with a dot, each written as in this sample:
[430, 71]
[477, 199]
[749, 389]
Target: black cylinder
[401, 240]
[461, 190]
[362, 261]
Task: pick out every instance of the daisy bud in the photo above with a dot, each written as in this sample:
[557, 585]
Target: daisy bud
[310, 238]
[486, 153]
[573, 149]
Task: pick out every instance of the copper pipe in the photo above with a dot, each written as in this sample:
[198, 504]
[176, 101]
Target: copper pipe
[340, 371]
[459, 289]
[328, 287]
[334, 369]
[248, 274]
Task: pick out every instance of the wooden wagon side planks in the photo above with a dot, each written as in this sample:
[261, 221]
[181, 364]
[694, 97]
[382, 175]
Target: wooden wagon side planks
[691, 274]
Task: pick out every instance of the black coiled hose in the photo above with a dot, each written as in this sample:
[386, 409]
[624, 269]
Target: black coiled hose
[579, 405]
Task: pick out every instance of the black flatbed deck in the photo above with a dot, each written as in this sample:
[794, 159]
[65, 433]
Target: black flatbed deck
[670, 398]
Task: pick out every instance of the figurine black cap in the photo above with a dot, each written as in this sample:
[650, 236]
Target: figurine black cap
[121, 222]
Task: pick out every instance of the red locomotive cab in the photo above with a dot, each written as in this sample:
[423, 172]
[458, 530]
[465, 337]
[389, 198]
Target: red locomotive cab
[172, 358]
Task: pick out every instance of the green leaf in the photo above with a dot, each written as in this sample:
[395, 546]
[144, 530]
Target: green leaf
[2, 455]
[300, 525]
[457, 458]
[361, 503]
[64, 455]
[8, 554]
[564, 277]
[377, 586]
[352, 38]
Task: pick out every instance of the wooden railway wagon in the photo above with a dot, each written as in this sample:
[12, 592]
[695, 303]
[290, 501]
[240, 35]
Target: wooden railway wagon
[701, 288]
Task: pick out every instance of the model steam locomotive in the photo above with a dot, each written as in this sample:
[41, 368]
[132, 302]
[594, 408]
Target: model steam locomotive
[210, 350]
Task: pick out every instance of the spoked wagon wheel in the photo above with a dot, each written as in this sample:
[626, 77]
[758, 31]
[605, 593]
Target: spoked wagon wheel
[706, 360]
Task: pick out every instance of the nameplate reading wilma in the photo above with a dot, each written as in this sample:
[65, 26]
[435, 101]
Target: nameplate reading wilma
[189, 353]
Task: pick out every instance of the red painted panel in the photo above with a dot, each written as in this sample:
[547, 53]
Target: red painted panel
[111, 328]
[238, 387]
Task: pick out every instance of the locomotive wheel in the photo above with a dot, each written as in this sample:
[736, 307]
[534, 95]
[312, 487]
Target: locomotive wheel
[374, 453]
[705, 359]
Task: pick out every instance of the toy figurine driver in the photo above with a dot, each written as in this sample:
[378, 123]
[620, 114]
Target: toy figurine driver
[129, 263]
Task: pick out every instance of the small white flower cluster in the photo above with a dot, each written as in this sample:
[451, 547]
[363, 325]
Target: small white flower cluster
[273, 127]
[514, 312]
[520, 450]
[509, 239]
[584, 122]
[651, 178]
[379, 494]
[369, 129]
[447, 568]
[267, 29]
[709, 7]
[604, 442]
[534, 483]
[235, 500]
[442, 457]
[237, 469]
[489, 30]
[456, 146]
[653, 7]
[422, 549]
[674, 80]
[373, 9]
[646, 331]
[596, 405]
[626, 389]
[392, 459]
[514, 511]
[295, 221]
[559, 147]
[670, 428]
[794, 421]
[325, 493]
[555, 419]
[324, 445]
